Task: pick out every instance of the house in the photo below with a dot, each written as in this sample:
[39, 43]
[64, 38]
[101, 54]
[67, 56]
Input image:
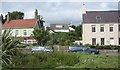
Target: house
[61, 27]
[22, 28]
[101, 27]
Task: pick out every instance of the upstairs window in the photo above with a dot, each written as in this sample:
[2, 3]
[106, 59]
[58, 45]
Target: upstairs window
[111, 27]
[101, 28]
[119, 28]
[93, 28]
[16, 32]
[25, 32]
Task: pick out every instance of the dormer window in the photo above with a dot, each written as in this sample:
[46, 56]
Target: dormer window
[98, 18]
[119, 17]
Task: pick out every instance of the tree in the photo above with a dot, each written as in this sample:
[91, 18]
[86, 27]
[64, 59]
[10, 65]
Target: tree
[13, 16]
[16, 15]
[78, 32]
[9, 46]
[2, 19]
[41, 36]
[73, 26]
[41, 21]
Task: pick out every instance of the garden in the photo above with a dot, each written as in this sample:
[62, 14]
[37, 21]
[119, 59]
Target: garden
[57, 60]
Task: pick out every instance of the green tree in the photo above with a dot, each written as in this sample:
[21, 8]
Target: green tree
[2, 19]
[16, 15]
[41, 21]
[13, 16]
[41, 36]
[9, 47]
[73, 26]
[78, 32]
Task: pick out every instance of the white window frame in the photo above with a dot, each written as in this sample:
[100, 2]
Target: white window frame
[25, 32]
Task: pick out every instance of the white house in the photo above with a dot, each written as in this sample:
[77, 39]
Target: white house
[101, 27]
[22, 28]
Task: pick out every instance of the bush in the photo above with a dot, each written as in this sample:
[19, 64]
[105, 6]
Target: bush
[106, 47]
[45, 60]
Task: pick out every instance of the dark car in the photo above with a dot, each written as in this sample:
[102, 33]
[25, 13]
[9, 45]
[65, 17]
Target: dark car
[83, 49]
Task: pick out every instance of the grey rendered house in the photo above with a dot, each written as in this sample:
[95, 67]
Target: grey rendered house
[61, 27]
[101, 27]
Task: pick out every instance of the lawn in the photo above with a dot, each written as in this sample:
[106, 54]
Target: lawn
[65, 60]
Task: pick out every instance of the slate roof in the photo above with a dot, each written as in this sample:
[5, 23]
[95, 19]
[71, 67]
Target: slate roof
[101, 17]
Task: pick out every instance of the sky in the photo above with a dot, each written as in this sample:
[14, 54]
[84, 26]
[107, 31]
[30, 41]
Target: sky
[56, 11]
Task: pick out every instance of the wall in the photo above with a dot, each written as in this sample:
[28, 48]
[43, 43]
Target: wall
[21, 32]
[88, 34]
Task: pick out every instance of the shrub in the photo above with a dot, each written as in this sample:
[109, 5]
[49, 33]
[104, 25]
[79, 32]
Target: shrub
[45, 60]
[106, 47]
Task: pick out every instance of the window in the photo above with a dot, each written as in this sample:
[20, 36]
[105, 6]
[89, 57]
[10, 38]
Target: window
[25, 32]
[102, 41]
[119, 28]
[59, 26]
[16, 32]
[111, 27]
[119, 41]
[29, 42]
[98, 18]
[93, 28]
[93, 41]
[101, 28]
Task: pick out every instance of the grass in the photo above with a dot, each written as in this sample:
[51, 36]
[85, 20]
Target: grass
[97, 61]
[65, 60]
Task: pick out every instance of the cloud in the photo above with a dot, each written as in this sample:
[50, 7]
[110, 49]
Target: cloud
[104, 5]
[60, 0]
[56, 12]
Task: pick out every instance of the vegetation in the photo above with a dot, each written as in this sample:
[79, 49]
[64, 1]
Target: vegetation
[64, 60]
[103, 46]
[41, 36]
[13, 16]
[62, 38]
[8, 47]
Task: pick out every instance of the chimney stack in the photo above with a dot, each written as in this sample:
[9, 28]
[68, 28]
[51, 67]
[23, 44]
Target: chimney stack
[36, 14]
[83, 8]
[8, 16]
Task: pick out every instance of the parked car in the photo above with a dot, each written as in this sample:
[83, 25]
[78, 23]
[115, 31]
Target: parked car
[41, 48]
[83, 49]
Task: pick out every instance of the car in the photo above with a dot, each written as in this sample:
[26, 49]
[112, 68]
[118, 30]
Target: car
[41, 48]
[83, 49]
[46, 49]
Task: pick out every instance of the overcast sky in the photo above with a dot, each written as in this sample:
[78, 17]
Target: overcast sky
[57, 12]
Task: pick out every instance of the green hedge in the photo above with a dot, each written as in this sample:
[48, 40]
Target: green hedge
[62, 60]
[45, 60]
[106, 47]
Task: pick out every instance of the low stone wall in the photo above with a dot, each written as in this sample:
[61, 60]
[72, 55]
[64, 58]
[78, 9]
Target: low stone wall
[109, 52]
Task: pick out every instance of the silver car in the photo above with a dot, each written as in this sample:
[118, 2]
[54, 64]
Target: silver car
[41, 48]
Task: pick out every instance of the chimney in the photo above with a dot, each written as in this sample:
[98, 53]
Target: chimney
[8, 16]
[83, 8]
[36, 14]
